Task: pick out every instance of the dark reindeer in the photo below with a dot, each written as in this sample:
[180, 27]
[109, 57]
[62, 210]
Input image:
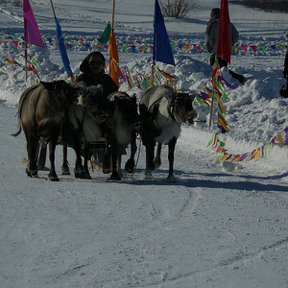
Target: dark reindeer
[112, 121]
[162, 111]
[123, 124]
[41, 115]
[87, 122]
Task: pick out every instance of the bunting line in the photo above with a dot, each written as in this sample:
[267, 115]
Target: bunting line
[281, 138]
[144, 82]
[265, 47]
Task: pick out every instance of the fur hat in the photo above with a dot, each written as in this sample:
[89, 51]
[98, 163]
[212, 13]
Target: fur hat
[84, 66]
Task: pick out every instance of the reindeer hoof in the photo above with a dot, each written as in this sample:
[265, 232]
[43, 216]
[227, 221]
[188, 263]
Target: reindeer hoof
[129, 166]
[148, 174]
[31, 173]
[106, 167]
[157, 164]
[66, 173]
[80, 172]
[115, 176]
[86, 176]
[106, 170]
[65, 170]
[172, 178]
[83, 175]
[53, 178]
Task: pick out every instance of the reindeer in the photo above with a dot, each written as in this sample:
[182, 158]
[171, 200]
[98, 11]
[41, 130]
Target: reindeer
[41, 114]
[110, 122]
[162, 111]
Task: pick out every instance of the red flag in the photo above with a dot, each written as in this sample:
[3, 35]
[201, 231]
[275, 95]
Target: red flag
[31, 32]
[223, 38]
[113, 58]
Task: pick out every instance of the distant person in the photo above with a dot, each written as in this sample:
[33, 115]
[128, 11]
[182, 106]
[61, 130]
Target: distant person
[211, 35]
[285, 71]
[284, 90]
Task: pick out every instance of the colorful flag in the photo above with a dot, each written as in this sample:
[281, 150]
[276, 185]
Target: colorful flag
[31, 31]
[223, 38]
[62, 49]
[162, 51]
[106, 34]
[113, 58]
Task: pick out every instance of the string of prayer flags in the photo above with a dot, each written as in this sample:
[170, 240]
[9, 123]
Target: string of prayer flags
[281, 138]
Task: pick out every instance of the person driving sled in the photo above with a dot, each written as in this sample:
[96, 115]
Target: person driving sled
[93, 73]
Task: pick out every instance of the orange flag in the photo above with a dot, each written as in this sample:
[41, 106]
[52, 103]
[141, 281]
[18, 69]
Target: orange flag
[113, 58]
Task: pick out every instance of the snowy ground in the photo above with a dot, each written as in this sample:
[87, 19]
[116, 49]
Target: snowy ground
[220, 225]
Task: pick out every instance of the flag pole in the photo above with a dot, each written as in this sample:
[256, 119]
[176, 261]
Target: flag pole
[53, 9]
[212, 101]
[113, 15]
[26, 61]
[153, 72]
[154, 61]
[154, 50]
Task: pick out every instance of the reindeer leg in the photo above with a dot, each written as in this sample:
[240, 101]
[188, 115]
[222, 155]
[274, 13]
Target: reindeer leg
[171, 150]
[119, 169]
[157, 159]
[86, 158]
[149, 159]
[42, 156]
[79, 171]
[115, 173]
[106, 159]
[130, 164]
[52, 174]
[65, 165]
[32, 149]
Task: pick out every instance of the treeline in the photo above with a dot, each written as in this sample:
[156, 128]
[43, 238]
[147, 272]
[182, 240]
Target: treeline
[13, 2]
[267, 5]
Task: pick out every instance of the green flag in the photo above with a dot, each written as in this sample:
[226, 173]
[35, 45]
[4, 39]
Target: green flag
[106, 34]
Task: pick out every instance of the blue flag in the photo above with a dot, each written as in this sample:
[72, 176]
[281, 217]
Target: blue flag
[162, 51]
[62, 49]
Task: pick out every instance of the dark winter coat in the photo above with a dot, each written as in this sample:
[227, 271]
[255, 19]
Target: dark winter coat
[285, 71]
[90, 79]
[211, 34]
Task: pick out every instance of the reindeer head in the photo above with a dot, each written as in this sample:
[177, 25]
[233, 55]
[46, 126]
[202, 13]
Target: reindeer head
[96, 103]
[61, 94]
[127, 106]
[182, 108]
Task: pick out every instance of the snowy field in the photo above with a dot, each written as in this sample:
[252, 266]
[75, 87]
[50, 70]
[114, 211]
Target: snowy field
[221, 225]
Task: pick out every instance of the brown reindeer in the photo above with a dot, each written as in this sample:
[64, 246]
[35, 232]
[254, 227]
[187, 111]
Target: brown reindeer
[41, 114]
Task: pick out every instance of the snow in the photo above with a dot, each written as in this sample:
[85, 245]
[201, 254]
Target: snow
[221, 225]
